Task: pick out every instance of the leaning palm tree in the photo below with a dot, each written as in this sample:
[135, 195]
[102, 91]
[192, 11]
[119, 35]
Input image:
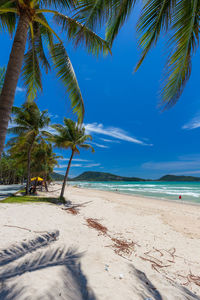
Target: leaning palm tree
[2, 76]
[27, 20]
[29, 125]
[70, 136]
[179, 18]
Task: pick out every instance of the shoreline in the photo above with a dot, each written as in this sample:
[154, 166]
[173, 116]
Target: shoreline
[140, 196]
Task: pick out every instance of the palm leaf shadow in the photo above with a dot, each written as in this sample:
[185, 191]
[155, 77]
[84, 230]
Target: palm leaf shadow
[148, 291]
[16, 251]
[74, 282]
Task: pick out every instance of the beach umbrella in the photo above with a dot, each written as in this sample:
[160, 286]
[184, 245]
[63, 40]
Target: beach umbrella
[37, 178]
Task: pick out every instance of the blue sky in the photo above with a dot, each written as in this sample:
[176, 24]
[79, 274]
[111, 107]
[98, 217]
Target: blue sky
[131, 136]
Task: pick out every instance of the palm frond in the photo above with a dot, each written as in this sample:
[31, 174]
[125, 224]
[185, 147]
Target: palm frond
[184, 41]
[87, 147]
[38, 45]
[8, 19]
[19, 130]
[58, 4]
[121, 12]
[83, 138]
[79, 34]
[93, 13]
[155, 17]
[46, 34]
[65, 72]
[31, 74]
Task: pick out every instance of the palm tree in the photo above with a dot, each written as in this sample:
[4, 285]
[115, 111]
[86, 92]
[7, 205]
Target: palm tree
[26, 19]
[180, 19]
[43, 160]
[29, 125]
[70, 136]
[2, 76]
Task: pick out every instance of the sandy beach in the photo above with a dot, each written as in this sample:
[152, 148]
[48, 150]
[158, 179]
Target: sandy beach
[144, 248]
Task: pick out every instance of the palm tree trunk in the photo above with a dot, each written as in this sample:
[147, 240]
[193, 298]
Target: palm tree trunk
[66, 176]
[12, 76]
[28, 171]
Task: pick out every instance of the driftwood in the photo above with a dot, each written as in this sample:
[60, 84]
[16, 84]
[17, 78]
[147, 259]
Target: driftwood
[23, 228]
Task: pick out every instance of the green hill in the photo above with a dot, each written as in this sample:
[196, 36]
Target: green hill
[101, 176]
[179, 178]
[57, 177]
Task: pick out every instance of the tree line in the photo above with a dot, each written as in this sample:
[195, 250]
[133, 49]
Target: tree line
[30, 150]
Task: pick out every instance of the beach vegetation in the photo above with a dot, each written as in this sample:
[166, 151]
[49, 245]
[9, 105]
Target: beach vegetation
[28, 127]
[29, 199]
[71, 136]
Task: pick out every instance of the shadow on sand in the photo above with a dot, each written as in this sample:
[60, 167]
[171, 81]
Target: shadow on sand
[25, 259]
[146, 290]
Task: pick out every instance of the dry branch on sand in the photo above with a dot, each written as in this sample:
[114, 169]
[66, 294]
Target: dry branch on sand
[120, 246]
[92, 223]
[191, 278]
[73, 210]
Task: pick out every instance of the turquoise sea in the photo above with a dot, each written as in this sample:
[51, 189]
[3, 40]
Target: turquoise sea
[189, 191]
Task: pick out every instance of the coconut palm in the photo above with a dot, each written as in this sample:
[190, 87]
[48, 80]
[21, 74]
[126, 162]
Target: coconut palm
[2, 76]
[29, 125]
[27, 20]
[70, 136]
[180, 19]
[43, 160]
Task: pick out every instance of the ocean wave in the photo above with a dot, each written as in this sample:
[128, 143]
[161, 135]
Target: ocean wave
[189, 191]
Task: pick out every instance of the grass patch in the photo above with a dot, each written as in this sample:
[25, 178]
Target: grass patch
[29, 199]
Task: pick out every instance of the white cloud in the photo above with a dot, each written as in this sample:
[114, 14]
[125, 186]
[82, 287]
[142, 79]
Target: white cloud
[52, 116]
[79, 165]
[188, 172]
[11, 124]
[192, 124]
[75, 159]
[109, 141]
[171, 166]
[114, 132]
[92, 165]
[58, 171]
[98, 145]
[86, 166]
[20, 89]
[50, 129]
[62, 166]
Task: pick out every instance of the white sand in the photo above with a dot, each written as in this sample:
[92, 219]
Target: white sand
[166, 253]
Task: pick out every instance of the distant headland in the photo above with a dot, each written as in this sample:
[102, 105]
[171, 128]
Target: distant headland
[101, 176]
